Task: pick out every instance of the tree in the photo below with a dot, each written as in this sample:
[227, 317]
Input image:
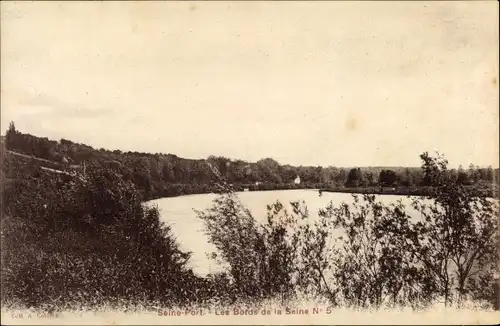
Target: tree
[473, 173]
[453, 175]
[269, 169]
[340, 177]
[489, 174]
[354, 178]
[432, 169]
[11, 129]
[141, 174]
[462, 178]
[455, 240]
[11, 136]
[370, 261]
[370, 178]
[409, 179]
[387, 178]
[257, 256]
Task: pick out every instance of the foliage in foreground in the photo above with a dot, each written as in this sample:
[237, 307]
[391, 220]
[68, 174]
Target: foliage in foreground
[87, 238]
[365, 254]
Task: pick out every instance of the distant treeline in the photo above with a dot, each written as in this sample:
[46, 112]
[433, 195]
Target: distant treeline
[162, 175]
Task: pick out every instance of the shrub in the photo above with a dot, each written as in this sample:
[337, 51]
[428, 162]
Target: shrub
[365, 253]
[88, 240]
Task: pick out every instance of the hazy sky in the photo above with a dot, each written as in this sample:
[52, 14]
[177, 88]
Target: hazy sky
[314, 83]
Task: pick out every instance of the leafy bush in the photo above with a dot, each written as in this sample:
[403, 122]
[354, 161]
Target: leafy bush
[258, 257]
[366, 253]
[87, 239]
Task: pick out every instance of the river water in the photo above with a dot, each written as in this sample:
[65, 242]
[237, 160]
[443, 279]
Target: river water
[189, 231]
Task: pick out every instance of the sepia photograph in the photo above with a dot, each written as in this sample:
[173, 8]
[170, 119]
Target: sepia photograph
[249, 162]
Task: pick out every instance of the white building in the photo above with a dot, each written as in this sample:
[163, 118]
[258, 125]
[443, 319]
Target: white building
[297, 180]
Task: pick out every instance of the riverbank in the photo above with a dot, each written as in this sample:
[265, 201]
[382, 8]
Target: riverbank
[400, 191]
[175, 190]
[490, 192]
[161, 189]
[181, 189]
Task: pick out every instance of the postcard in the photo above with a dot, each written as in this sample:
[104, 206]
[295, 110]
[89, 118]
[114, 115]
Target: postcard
[249, 162]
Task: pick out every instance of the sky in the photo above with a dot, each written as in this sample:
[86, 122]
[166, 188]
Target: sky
[306, 83]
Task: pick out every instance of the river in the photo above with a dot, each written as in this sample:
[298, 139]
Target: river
[188, 229]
